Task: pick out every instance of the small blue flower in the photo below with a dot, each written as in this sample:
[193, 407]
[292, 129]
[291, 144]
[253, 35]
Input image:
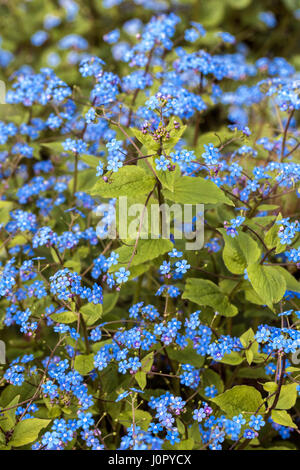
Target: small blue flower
[122, 275]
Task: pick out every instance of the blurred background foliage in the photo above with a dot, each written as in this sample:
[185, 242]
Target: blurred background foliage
[92, 19]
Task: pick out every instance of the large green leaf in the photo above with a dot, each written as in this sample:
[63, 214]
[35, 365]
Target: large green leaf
[204, 292]
[91, 313]
[268, 282]
[84, 363]
[128, 181]
[232, 359]
[239, 251]
[146, 250]
[271, 237]
[7, 421]
[64, 317]
[291, 282]
[27, 431]
[168, 178]
[189, 190]
[90, 160]
[287, 397]
[239, 399]
[283, 418]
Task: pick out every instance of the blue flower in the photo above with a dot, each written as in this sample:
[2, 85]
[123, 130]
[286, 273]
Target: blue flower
[122, 275]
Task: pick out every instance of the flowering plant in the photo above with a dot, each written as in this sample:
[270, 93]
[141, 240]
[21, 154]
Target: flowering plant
[115, 341]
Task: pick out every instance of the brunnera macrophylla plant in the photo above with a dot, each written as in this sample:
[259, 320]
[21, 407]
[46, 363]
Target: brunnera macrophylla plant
[140, 343]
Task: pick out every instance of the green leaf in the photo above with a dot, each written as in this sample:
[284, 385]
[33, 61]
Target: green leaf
[141, 376]
[147, 362]
[194, 432]
[25, 391]
[180, 426]
[196, 190]
[55, 147]
[287, 398]
[64, 317]
[90, 160]
[27, 431]
[53, 410]
[271, 238]
[283, 418]
[136, 271]
[267, 207]
[86, 180]
[213, 137]
[291, 282]
[268, 282]
[84, 363]
[210, 377]
[247, 338]
[54, 255]
[204, 292]
[147, 250]
[186, 444]
[232, 359]
[238, 4]
[6, 205]
[168, 178]
[142, 418]
[249, 356]
[212, 12]
[2, 441]
[137, 218]
[292, 4]
[141, 379]
[7, 421]
[187, 355]
[154, 145]
[270, 387]
[128, 181]
[239, 399]
[74, 265]
[5, 208]
[252, 373]
[293, 370]
[91, 313]
[252, 296]
[239, 251]
[18, 240]
[147, 140]
[175, 134]
[248, 341]
[109, 301]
